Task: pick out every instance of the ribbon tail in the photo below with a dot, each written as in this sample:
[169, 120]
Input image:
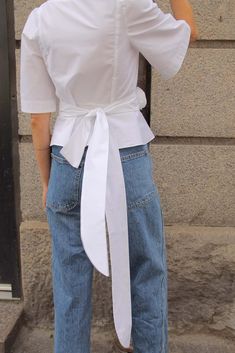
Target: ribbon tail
[93, 227]
[74, 148]
[116, 212]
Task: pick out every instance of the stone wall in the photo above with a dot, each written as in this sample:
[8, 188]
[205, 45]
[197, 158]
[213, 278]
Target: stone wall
[192, 116]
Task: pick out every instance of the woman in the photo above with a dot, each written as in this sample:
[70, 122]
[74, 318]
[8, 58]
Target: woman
[82, 58]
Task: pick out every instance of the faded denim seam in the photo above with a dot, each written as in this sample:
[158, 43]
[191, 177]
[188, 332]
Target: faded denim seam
[143, 201]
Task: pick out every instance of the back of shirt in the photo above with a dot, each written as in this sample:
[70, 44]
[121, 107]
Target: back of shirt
[87, 52]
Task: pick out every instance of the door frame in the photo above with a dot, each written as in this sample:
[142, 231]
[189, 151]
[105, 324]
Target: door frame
[10, 215]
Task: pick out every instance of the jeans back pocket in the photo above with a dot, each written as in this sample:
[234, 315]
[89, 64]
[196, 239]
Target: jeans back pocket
[64, 187]
[138, 175]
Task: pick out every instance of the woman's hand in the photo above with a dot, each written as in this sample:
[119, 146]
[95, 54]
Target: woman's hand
[40, 125]
[182, 10]
[44, 196]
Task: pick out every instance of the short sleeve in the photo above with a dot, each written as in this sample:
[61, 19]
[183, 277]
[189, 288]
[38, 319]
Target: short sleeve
[37, 91]
[161, 38]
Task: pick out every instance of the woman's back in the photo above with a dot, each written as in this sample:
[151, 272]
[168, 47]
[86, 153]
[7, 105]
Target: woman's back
[85, 54]
[91, 49]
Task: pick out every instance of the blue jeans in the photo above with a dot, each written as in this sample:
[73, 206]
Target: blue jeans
[72, 271]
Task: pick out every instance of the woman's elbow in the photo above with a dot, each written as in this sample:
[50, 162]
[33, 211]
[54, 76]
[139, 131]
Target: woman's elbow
[39, 120]
[36, 118]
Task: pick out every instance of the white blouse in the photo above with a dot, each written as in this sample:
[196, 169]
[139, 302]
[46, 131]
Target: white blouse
[80, 59]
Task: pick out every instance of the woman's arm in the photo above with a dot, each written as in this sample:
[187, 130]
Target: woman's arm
[182, 10]
[40, 125]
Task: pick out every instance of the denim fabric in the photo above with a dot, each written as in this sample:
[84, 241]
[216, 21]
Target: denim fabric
[72, 270]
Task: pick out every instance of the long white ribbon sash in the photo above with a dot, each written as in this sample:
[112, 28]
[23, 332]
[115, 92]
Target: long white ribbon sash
[103, 194]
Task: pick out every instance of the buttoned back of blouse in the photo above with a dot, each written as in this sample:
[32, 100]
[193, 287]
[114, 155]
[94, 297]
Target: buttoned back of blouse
[80, 59]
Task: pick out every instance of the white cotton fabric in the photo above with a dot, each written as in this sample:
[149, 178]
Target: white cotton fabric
[80, 59]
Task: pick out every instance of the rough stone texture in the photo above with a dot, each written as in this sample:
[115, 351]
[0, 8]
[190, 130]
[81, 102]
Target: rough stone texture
[11, 318]
[22, 10]
[35, 250]
[30, 184]
[37, 340]
[215, 18]
[198, 101]
[200, 343]
[37, 282]
[201, 270]
[196, 183]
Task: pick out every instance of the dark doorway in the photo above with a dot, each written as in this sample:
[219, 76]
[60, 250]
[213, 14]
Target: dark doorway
[144, 81]
[10, 283]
